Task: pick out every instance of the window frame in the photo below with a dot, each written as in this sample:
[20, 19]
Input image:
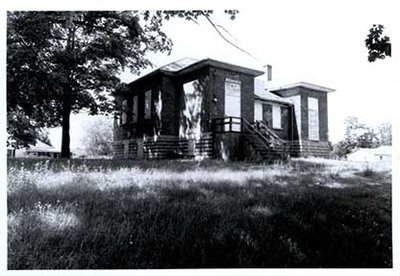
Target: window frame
[276, 116]
[124, 112]
[313, 134]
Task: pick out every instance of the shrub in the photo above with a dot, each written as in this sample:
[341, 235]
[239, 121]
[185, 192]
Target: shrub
[368, 170]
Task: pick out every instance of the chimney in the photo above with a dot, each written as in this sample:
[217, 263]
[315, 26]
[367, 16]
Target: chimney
[269, 72]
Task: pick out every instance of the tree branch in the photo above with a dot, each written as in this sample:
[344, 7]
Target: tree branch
[224, 38]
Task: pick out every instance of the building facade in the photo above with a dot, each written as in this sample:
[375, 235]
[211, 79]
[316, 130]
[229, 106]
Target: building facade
[212, 109]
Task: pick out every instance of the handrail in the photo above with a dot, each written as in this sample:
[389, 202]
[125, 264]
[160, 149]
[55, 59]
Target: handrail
[271, 132]
[268, 138]
[264, 141]
[252, 129]
[230, 121]
[266, 128]
[276, 138]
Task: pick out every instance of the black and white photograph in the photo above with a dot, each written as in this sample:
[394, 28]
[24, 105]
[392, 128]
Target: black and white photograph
[198, 137]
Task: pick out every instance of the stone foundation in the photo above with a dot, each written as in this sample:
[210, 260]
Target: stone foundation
[226, 146]
[309, 148]
[164, 147]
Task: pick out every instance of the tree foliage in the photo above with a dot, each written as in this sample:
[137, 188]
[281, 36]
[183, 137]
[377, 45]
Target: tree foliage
[384, 133]
[378, 45]
[43, 136]
[59, 63]
[98, 137]
[21, 130]
[357, 135]
[342, 148]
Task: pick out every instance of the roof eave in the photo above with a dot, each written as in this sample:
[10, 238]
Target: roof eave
[139, 80]
[303, 84]
[272, 100]
[225, 65]
[219, 64]
[195, 66]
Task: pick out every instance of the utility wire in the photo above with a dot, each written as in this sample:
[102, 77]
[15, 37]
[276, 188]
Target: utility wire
[226, 31]
[227, 40]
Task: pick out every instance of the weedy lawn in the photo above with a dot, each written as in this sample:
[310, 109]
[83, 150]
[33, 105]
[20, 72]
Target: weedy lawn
[181, 214]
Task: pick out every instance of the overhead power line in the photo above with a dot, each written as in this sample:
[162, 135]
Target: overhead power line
[215, 27]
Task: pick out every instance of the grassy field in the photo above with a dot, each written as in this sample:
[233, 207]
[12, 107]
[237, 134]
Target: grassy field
[181, 214]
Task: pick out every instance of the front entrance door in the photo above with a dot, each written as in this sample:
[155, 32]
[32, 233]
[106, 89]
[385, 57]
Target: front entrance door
[232, 104]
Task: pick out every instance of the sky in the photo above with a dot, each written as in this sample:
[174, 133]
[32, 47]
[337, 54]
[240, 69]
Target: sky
[318, 44]
[321, 42]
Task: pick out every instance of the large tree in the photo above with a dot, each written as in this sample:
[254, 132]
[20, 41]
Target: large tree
[63, 62]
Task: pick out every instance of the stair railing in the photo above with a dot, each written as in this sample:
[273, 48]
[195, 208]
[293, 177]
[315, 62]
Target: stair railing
[255, 133]
[265, 129]
[267, 136]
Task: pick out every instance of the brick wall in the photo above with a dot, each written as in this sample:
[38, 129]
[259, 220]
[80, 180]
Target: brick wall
[230, 146]
[143, 127]
[172, 96]
[170, 107]
[217, 89]
[285, 131]
[323, 112]
[309, 148]
[323, 109]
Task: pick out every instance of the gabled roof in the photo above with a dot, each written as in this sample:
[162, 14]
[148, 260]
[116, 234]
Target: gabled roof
[42, 147]
[302, 84]
[178, 65]
[261, 93]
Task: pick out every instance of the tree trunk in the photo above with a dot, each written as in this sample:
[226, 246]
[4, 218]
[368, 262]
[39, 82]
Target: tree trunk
[65, 141]
[68, 97]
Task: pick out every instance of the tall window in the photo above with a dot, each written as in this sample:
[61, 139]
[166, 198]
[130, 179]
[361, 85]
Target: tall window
[124, 115]
[313, 119]
[232, 103]
[135, 109]
[276, 117]
[258, 111]
[147, 104]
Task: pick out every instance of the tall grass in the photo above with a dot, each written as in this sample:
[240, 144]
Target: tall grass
[194, 215]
